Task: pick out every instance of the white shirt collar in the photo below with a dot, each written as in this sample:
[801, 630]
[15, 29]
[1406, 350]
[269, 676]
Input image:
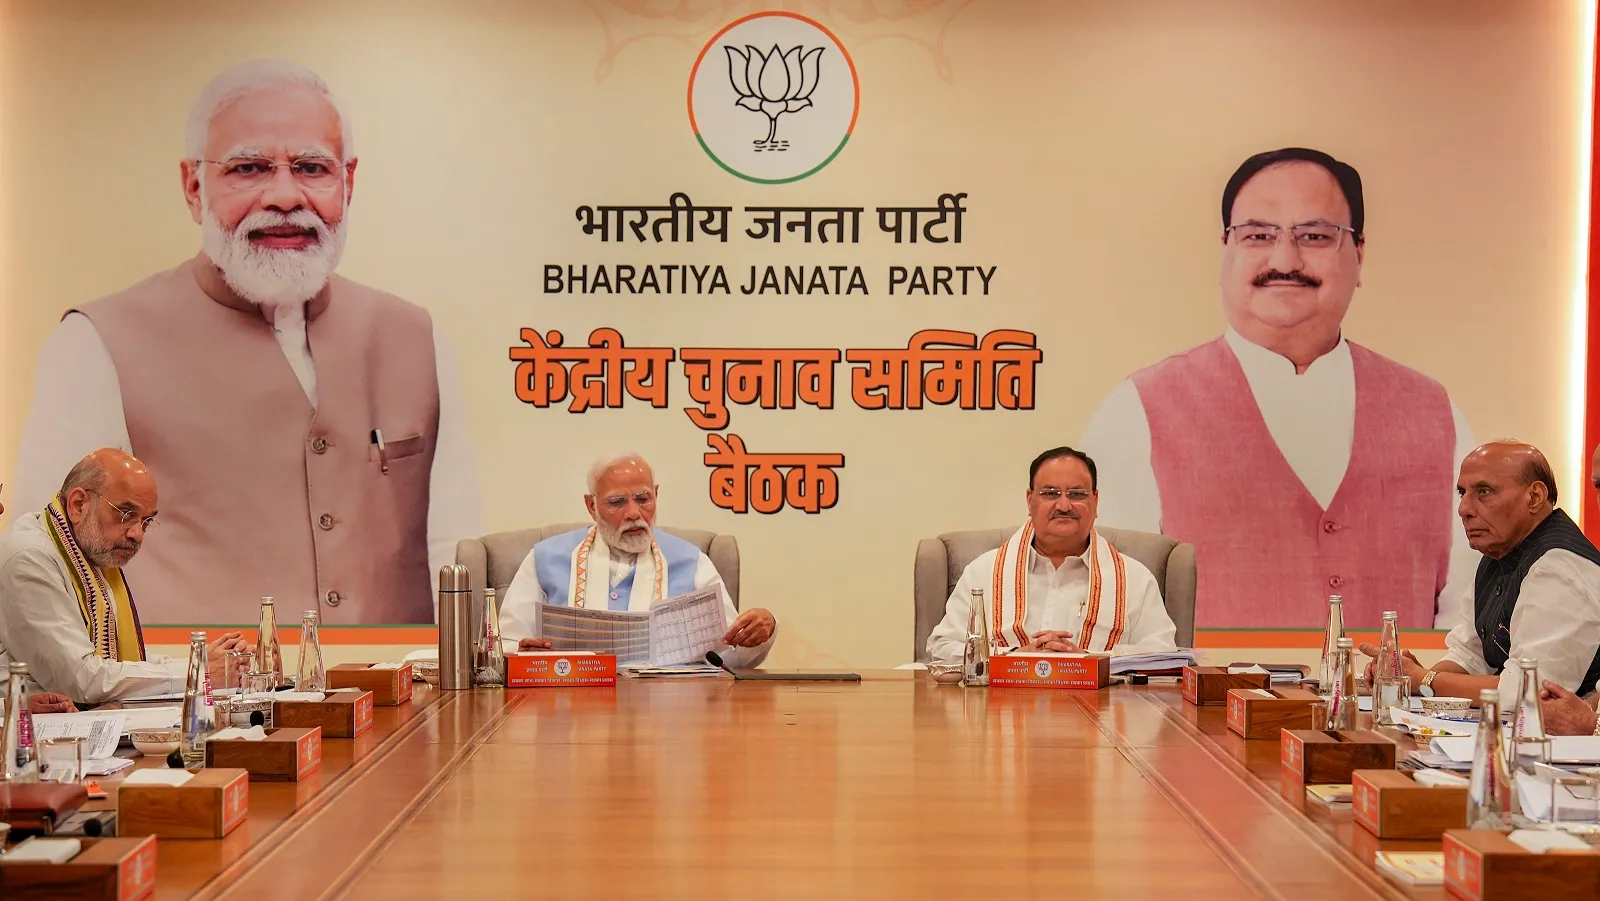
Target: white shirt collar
[1260, 363]
[1034, 557]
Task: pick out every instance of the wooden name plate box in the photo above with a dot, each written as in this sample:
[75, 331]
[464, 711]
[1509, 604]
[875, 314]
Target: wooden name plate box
[1480, 865]
[1082, 671]
[1208, 686]
[106, 869]
[210, 805]
[553, 669]
[389, 687]
[285, 755]
[1322, 758]
[1263, 713]
[341, 714]
[1390, 804]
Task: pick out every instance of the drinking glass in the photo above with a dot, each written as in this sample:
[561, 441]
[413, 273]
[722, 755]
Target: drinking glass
[61, 759]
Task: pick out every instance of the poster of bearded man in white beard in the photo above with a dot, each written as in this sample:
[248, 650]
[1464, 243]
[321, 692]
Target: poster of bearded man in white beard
[306, 430]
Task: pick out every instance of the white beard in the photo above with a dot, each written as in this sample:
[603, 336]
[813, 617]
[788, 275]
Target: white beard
[628, 545]
[273, 277]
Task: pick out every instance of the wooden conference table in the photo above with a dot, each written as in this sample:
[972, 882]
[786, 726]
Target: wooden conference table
[708, 788]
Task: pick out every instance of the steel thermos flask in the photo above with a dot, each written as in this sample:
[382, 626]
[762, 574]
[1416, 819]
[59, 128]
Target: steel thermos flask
[455, 628]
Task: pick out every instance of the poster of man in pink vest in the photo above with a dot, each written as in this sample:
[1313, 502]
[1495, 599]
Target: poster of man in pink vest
[306, 430]
[1299, 463]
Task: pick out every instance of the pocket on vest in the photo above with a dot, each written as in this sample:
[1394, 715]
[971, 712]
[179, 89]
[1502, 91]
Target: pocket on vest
[398, 449]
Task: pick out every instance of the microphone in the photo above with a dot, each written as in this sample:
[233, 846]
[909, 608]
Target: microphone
[715, 659]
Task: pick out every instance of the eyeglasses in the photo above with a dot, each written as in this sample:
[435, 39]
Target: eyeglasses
[124, 515]
[1051, 495]
[1320, 237]
[618, 501]
[314, 173]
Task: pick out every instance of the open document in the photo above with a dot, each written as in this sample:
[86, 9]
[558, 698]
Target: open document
[675, 631]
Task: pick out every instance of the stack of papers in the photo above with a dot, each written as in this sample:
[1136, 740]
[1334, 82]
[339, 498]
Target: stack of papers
[1571, 750]
[1153, 663]
[101, 732]
[1575, 803]
[690, 670]
[1412, 867]
[1336, 795]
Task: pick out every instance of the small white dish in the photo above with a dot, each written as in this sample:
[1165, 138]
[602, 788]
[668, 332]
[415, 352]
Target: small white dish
[156, 742]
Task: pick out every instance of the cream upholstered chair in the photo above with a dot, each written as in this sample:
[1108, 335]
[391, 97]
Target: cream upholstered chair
[492, 560]
[941, 560]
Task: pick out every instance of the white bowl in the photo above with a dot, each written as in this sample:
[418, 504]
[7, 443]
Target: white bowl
[1446, 706]
[156, 742]
[427, 672]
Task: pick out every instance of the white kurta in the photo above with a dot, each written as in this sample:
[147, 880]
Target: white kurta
[40, 625]
[1311, 417]
[76, 373]
[1556, 622]
[1057, 600]
[519, 610]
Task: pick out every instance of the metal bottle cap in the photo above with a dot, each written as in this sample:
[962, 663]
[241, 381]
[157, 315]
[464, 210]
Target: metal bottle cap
[454, 577]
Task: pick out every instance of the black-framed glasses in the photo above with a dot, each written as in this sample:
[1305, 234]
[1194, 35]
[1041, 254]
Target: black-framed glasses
[124, 516]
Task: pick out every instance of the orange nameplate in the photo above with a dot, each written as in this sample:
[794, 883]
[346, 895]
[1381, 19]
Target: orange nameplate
[1086, 671]
[546, 669]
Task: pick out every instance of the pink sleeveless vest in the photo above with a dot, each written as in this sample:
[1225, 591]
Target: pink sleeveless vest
[1268, 555]
[260, 493]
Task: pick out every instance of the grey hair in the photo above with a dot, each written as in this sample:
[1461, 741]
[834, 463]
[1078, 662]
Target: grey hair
[248, 78]
[87, 474]
[609, 460]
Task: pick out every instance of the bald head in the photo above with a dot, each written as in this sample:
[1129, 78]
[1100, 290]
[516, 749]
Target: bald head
[110, 499]
[1507, 488]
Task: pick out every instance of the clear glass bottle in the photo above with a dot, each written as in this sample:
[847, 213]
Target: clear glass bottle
[1390, 687]
[1530, 742]
[18, 762]
[1489, 789]
[975, 662]
[1330, 646]
[1343, 702]
[489, 665]
[269, 654]
[310, 675]
[199, 715]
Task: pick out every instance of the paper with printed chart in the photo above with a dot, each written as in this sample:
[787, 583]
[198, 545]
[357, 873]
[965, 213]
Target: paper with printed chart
[100, 731]
[674, 631]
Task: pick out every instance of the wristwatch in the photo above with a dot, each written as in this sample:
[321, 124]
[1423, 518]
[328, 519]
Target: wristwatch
[1597, 724]
[1426, 687]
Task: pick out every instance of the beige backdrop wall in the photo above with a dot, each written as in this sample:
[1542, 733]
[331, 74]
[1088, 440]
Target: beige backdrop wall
[1092, 140]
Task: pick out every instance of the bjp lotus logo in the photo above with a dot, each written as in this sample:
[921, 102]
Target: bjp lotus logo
[774, 84]
[810, 88]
